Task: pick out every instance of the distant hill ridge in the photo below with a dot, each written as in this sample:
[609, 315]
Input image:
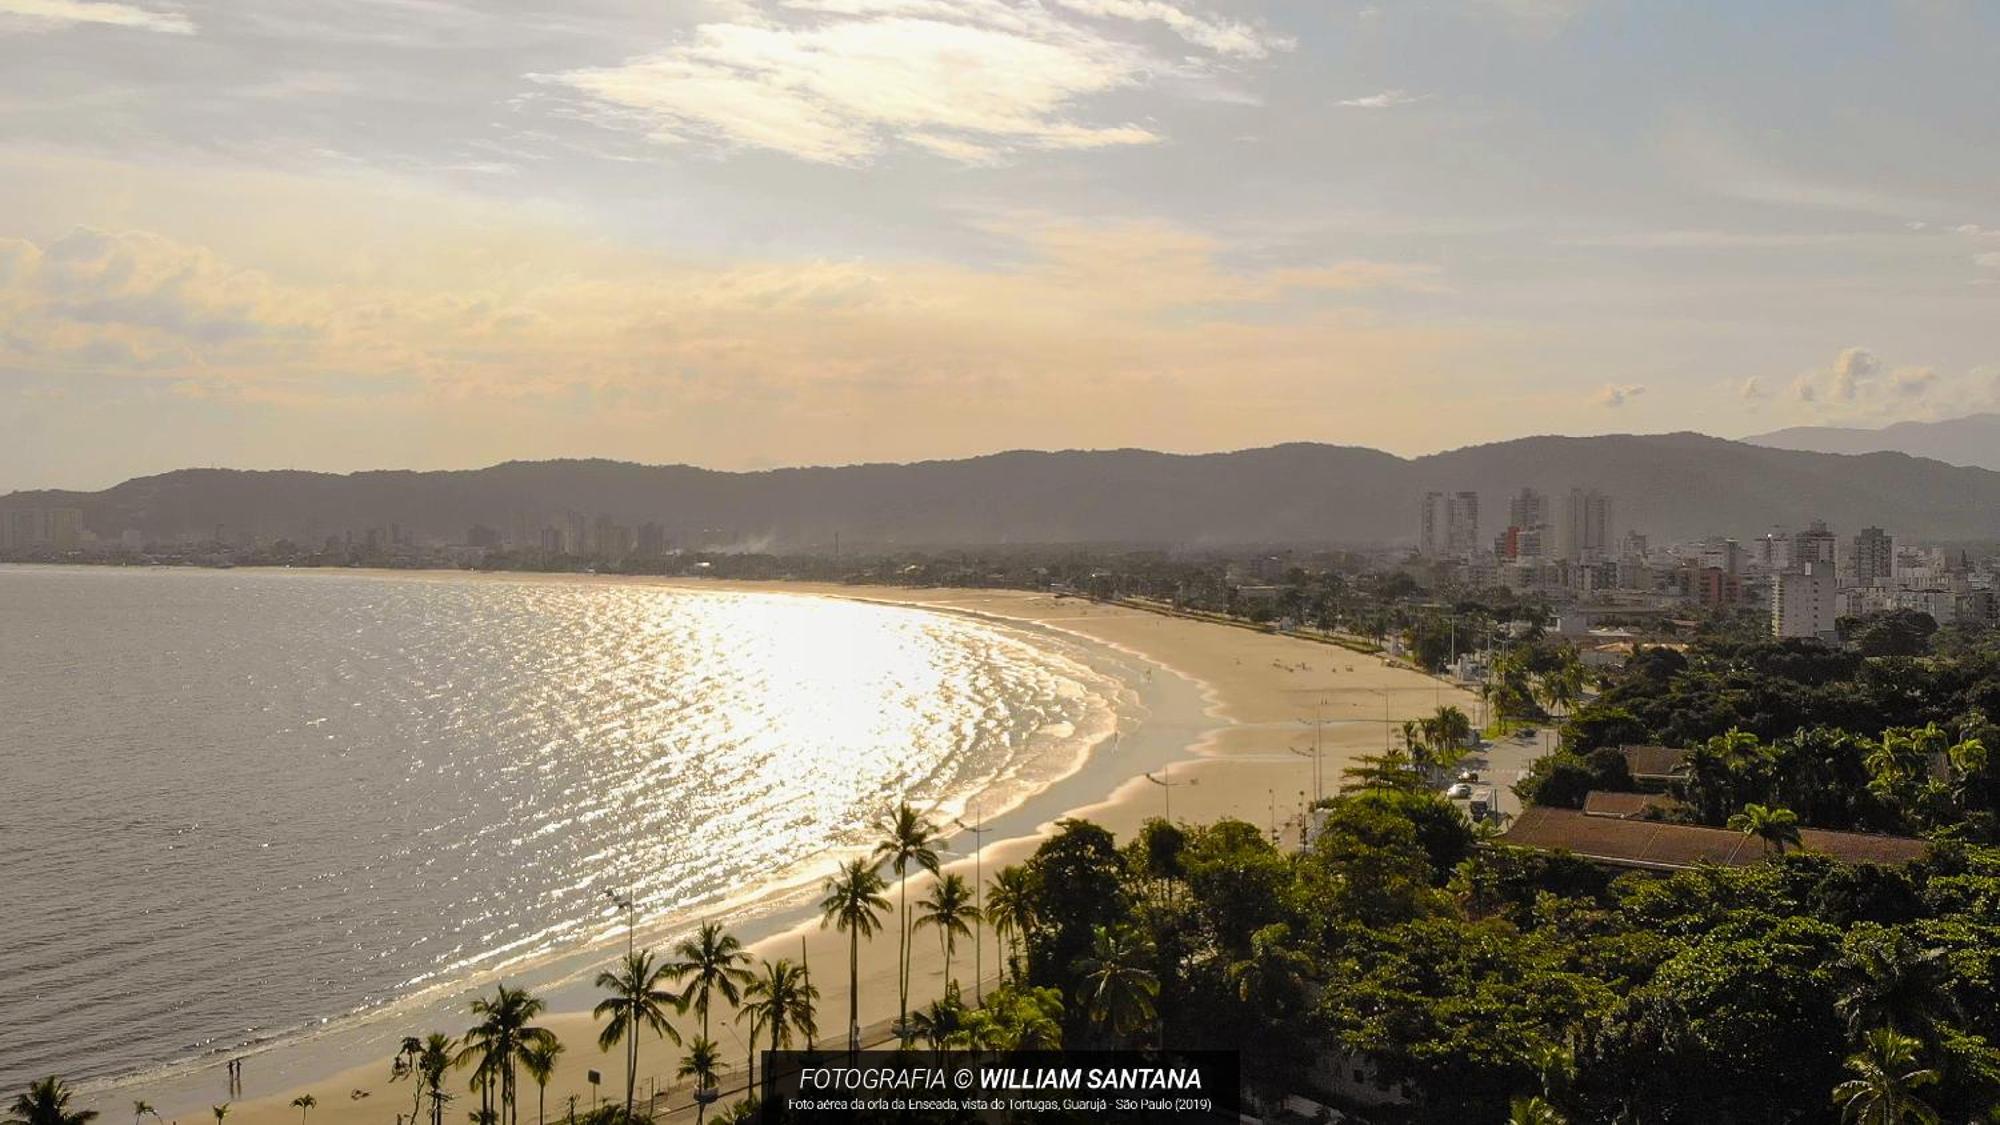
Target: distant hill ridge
[1972, 440]
[1671, 486]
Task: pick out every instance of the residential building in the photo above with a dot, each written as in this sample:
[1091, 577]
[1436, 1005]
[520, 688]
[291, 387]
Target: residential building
[1803, 602]
[1586, 525]
[1815, 545]
[1873, 556]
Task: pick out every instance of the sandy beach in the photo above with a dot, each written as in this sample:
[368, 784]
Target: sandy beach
[1264, 699]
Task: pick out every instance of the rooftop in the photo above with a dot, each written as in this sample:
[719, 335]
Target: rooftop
[1670, 847]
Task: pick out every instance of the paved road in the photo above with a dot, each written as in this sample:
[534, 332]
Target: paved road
[1501, 763]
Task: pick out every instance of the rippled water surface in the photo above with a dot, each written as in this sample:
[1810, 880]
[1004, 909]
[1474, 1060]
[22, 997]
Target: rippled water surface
[239, 802]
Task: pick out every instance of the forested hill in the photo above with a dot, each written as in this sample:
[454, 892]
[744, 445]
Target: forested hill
[1668, 485]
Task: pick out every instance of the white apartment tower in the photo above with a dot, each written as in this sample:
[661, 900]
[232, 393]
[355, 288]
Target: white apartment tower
[1803, 602]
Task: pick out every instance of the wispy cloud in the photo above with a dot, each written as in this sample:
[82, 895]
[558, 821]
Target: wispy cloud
[839, 81]
[61, 13]
[1387, 99]
[1615, 395]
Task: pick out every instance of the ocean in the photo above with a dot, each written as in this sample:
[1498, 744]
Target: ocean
[240, 806]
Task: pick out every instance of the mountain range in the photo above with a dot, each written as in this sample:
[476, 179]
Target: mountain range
[1972, 440]
[1671, 486]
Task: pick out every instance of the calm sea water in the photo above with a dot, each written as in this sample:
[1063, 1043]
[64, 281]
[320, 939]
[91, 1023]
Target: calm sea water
[236, 804]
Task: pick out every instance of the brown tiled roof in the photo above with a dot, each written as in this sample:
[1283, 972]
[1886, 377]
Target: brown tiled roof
[1626, 806]
[1653, 763]
[1644, 843]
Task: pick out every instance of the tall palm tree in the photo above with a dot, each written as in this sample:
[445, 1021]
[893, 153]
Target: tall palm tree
[699, 1064]
[950, 910]
[1777, 827]
[1886, 1078]
[140, 1108]
[638, 1001]
[405, 1066]
[434, 1058]
[302, 1103]
[540, 1063]
[503, 1035]
[47, 1103]
[779, 1000]
[907, 837]
[1010, 910]
[220, 1112]
[711, 961]
[1118, 991]
[853, 904]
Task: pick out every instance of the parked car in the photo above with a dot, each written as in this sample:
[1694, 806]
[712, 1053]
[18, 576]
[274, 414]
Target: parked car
[1459, 791]
[1468, 775]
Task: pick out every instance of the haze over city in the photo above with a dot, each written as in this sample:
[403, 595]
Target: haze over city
[743, 233]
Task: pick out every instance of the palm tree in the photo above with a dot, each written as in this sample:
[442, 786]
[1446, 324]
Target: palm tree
[1893, 983]
[780, 1000]
[47, 1103]
[1886, 1078]
[1010, 910]
[302, 1103]
[405, 1066]
[1118, 991]
[638, 1002]
[699, 1064]
[140, 1108]
[434, 1058]
[540, 1063]
[1777, 827]
[711, 961]
[502, 1037]
[949, 908]
[853, 905]
[1534, 1111]
[907, 837]
[1272, 981]
[220, 1112]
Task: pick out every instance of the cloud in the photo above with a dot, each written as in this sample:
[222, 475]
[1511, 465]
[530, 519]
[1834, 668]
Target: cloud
[841, 81]
[1851, 368]
[64, 13]
[1858, 387]
[1752, 389]
[1224, 37]
[1615, 395]
[1387, 99]
[1913, 382]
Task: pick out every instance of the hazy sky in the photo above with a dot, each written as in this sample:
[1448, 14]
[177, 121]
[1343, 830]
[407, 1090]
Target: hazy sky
[341, 234]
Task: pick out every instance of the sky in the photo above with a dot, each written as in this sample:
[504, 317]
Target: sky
[349, 234]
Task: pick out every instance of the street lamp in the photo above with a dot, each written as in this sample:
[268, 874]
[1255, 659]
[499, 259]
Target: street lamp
[631, 908]
[1166, 785]
[978, 831]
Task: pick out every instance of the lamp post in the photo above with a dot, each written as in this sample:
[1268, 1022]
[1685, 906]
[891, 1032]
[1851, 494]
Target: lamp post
[978, 830]
[1166, 785]
[631, 908]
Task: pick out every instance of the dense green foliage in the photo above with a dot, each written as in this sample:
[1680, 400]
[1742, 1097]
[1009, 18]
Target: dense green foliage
[1472, 979]
[1845, 741]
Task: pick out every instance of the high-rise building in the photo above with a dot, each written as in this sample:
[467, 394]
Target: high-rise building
[1448, 525]
[1874, 556]
[1586, 525]
[1803, 602]
[1462, 528]
[1814, 545]
[1527, 509]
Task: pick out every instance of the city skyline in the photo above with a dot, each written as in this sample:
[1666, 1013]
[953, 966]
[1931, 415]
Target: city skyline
[746, 233]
